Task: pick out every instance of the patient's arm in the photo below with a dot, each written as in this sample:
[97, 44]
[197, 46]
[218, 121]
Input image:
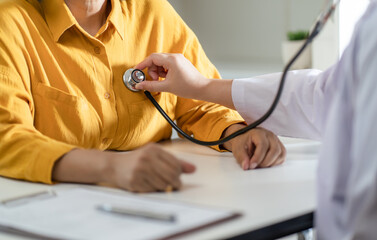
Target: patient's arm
[146, 169]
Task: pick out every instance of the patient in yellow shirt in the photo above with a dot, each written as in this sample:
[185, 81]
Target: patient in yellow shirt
[63, 102]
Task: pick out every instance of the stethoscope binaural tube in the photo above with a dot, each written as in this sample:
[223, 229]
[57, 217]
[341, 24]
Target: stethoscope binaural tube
[133, 76]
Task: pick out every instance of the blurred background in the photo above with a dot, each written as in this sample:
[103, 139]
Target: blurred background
[244, 38]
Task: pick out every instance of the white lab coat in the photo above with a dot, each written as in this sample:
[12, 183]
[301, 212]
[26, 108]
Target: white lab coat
[338, 106]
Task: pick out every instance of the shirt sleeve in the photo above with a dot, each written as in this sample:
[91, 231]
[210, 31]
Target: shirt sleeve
[24, 152]
[303, 107]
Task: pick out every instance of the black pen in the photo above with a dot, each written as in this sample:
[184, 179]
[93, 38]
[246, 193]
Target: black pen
[136, 213]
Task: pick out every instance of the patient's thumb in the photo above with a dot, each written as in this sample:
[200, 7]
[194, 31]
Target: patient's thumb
[187, 167]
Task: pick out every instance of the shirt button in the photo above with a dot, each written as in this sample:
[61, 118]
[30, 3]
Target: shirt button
[97, 50]
[107, 95]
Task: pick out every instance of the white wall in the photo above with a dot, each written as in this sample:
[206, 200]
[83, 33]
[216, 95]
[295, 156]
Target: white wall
[329, 46]
[246, 30]
[234, 30]
[349, 13]
[302, 13]
[244, 36]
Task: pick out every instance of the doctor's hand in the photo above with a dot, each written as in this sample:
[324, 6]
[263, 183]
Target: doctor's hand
[257, 148]
[183, 79]
[147, 169]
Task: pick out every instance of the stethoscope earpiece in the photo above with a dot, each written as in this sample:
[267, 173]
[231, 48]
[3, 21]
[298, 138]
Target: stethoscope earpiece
[131, 77]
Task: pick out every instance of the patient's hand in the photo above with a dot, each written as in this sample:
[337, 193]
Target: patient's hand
[256, 148]
[147, 169]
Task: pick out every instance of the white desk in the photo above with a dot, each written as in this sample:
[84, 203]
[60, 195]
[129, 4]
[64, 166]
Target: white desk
[263, 196]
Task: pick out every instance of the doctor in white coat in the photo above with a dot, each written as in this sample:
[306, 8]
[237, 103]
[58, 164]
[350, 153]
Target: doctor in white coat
[338, 106]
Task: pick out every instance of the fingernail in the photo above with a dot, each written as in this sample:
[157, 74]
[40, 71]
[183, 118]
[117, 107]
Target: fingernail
[253, 165]
[245, 165]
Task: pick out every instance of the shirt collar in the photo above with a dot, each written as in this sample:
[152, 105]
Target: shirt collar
[116, 17]
[59, 18]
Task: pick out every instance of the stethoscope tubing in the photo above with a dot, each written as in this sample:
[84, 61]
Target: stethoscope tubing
[248, 127]
[318, 26]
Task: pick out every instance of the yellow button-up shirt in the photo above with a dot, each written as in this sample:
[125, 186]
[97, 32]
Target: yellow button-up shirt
[62, 88]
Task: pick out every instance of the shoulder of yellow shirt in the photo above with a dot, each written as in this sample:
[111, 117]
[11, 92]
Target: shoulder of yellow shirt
[161, 8]
[10, 6]
[14, 11]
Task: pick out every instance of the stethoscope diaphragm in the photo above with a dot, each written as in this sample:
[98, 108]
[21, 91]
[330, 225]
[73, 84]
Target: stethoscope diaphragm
[131, 77]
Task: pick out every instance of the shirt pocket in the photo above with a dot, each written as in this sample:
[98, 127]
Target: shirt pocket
[65, 117]
[146, 122]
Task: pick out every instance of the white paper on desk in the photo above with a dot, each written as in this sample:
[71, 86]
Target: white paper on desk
[72, 214]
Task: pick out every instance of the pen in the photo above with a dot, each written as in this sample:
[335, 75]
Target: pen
[136, 213]
[15, 201]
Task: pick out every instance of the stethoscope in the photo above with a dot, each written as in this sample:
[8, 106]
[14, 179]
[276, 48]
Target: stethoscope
[133, 76]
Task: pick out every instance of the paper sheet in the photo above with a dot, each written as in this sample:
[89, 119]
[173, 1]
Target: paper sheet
[73, 214]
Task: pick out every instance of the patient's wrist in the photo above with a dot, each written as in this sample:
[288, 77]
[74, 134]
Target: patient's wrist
[81, 166]
[231, 129]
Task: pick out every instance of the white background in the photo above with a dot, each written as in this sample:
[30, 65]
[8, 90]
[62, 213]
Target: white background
[243, 37]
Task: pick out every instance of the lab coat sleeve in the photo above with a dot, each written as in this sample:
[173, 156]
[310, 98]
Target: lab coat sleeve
[303, 106]
[361, 206]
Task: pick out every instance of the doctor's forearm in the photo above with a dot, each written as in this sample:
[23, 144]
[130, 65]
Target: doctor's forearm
[217, 91]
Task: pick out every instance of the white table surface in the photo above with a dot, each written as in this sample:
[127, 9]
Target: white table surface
[263, 196]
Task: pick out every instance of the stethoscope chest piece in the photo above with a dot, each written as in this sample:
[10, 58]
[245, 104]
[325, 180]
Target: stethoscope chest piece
[131, 77]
